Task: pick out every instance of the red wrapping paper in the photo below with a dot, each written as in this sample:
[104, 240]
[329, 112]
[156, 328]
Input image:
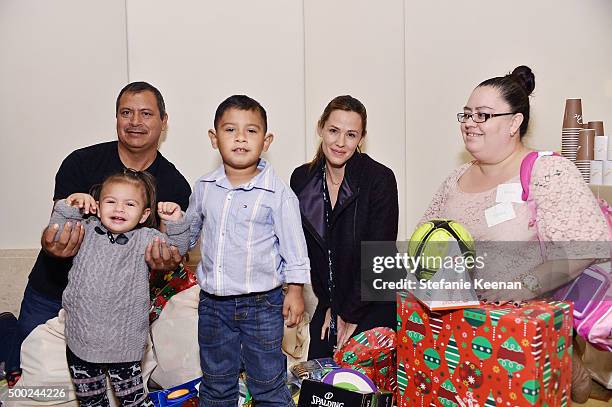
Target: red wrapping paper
[373, 354]
[165, 284]
[489, 356]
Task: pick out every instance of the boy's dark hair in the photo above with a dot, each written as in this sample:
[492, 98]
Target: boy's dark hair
[138, 87]
[241, 102]
[144, 180]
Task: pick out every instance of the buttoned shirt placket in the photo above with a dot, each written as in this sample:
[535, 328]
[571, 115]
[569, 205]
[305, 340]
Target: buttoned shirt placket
[222, 232]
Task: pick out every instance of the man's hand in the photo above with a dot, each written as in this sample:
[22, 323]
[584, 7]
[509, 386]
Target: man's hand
[69, 240]
[293, 306]
[161, 257]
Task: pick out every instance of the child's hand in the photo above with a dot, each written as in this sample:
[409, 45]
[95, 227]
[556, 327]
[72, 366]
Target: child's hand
[293, 306]
[169, 211]
[85, 202]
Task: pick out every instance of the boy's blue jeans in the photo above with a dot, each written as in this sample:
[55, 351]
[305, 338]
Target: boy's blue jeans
[248, 330]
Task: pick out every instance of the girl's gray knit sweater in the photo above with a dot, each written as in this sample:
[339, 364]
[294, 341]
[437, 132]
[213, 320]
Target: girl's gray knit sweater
[107, 297]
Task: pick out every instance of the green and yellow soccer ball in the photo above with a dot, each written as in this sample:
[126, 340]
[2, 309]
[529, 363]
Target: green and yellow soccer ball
[431, 242]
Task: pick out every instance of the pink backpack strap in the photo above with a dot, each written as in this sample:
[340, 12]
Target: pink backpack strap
[527, 168]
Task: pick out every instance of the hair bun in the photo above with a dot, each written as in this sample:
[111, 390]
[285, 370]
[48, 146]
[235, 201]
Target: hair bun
[525, 77]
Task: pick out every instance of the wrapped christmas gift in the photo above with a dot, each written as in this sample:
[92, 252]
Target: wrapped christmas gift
[165, 284]
[373, 354]
[489, 355]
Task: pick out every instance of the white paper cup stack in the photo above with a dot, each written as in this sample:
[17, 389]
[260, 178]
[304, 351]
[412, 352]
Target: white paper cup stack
[607, 172]
[596, 172]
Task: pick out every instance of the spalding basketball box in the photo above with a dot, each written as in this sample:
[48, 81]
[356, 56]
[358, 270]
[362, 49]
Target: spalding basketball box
[319, 394]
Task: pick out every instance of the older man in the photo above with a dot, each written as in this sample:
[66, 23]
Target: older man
[141, 118]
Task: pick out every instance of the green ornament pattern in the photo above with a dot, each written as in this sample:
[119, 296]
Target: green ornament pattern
[361, 339]
[415, 328]
[476, 317]
[402, 380]
[511, 356]
[497, 314]
[349, 357]
[558, 318]
[546, 375]
[447, 393]
[531, 391]
[432, 358]
[452, 355]
[560, 347]
[482, 348]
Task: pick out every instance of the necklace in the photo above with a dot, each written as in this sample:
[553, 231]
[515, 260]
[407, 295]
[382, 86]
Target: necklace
[331, 178]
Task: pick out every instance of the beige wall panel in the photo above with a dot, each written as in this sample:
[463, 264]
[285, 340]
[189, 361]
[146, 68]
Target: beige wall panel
[61, 65]
[356, 47]
[453, 46]
[199, 53]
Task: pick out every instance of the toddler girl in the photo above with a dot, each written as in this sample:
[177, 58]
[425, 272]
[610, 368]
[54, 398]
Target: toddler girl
[107, 297]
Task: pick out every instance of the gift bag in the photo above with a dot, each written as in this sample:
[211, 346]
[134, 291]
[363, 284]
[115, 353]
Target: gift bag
[175, 340]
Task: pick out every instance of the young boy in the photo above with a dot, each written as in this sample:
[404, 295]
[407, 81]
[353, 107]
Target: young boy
[252, 243]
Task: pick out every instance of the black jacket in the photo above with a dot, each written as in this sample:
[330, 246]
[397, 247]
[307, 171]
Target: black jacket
[366, 210]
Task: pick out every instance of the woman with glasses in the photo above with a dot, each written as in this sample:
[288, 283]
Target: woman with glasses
[485, 196]
[345, 198]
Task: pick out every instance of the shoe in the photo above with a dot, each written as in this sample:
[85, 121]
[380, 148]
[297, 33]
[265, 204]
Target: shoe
[581, 380]
[12, 378]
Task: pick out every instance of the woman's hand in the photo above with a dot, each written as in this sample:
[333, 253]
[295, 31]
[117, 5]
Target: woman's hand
[325, 327]
[345, 331]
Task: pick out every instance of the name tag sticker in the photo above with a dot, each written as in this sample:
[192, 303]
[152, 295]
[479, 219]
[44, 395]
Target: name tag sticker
[509, 193]
[499, 213]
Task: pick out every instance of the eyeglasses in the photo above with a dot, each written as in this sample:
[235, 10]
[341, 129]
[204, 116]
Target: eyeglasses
[478, 117]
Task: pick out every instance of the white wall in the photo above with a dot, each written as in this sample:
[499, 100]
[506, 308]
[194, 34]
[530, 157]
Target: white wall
[355, 48]
[63, 62]
[202, 52]
[568, 45]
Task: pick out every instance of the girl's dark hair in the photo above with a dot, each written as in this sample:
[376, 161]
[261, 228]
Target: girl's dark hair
[515, 88]
[142, 179]
[348, 104]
